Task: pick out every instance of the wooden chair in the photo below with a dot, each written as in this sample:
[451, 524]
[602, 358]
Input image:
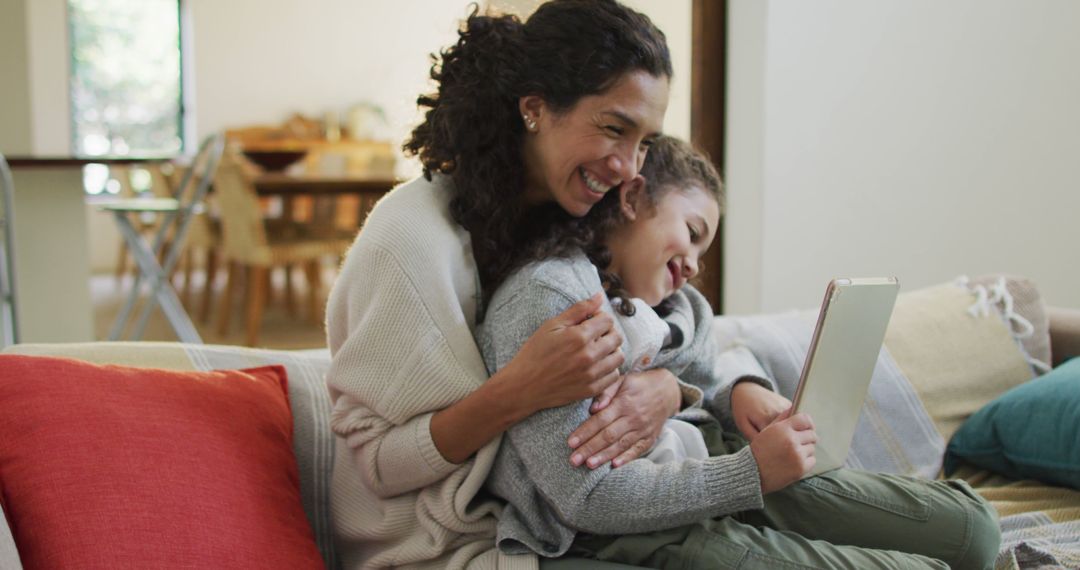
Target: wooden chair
[251, 247]
[9, 330]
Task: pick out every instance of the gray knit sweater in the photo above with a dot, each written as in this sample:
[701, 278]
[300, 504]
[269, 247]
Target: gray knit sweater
[549, 500]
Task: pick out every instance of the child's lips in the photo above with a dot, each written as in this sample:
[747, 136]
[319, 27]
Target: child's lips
[676, 278]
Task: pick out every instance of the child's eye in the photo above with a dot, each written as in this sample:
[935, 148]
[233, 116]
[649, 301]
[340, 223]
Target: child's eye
[694, 235]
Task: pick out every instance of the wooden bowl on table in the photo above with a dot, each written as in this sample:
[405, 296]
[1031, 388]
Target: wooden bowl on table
[274, 160]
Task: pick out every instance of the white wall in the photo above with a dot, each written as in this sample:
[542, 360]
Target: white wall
[34, 87]
[915, 138]
[256, 62]
[15, 133]
[49, 57]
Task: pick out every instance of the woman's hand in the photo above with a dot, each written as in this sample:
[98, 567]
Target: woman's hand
[625, 426]
[754, 407]
[572, 356]
[784, 451]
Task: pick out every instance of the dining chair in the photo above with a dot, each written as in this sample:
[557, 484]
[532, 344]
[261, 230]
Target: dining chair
[253, 245]
[177, 213]
[9, 329]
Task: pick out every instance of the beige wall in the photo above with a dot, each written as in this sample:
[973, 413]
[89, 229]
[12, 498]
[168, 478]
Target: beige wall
[256, 62]
[49, 58]
[921, 139]
[325, 55]
[15, 134]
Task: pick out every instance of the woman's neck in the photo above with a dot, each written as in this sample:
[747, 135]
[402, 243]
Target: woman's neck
[536, 189]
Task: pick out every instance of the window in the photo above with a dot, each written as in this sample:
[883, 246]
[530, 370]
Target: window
[125, 80]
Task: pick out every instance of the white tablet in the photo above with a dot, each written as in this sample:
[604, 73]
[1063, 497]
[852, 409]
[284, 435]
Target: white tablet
[836, 375]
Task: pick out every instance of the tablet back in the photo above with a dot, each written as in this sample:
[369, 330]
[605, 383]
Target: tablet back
[836, 375]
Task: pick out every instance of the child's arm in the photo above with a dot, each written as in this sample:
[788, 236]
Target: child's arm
[701, 362]
[638, 497]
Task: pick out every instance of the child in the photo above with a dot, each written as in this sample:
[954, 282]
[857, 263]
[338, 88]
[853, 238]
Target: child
[676, 507]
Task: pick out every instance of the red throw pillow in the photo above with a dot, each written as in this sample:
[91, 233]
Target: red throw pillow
[119, 467]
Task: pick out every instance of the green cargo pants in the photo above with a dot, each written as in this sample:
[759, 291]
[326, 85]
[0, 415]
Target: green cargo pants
[840, 519]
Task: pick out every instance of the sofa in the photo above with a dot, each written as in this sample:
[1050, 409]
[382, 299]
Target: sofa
[1034, 506]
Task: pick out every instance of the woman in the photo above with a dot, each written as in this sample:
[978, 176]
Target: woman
[531, 123]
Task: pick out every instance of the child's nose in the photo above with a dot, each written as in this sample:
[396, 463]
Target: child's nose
[690, 266]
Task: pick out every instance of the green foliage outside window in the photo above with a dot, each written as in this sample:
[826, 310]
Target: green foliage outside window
[125, 77]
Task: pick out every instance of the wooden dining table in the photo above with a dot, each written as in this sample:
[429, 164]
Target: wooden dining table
[327, 197]
[285, 185]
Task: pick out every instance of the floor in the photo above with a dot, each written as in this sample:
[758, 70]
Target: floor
[279, 330]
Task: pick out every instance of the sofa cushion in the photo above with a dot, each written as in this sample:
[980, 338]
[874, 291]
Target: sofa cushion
[313, 442]
[1030, 432]
[112, 466]
[956, 359]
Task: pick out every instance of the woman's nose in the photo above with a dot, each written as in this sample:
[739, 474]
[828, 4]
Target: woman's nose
[626, 163]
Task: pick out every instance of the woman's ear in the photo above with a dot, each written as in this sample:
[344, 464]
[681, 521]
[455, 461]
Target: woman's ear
[531, 108]
[631, 196]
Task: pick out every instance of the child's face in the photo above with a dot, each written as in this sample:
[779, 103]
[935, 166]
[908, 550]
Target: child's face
[656, 250]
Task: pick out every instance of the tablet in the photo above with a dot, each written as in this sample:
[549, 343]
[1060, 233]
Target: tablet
[836, 376]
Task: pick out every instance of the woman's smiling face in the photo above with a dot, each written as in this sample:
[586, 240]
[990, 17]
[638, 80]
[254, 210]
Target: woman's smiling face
[576, 156]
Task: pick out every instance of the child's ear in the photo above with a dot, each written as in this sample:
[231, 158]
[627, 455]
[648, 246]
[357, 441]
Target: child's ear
[631, 194]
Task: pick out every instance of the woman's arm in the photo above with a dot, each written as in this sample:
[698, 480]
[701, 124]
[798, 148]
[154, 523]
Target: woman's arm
[572, 356]
[409, 391]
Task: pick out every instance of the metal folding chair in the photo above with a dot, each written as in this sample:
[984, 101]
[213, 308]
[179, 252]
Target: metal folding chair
[9, 329]
[177, 213]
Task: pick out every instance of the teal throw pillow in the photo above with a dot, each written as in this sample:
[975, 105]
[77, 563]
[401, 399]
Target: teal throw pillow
[1029, 432]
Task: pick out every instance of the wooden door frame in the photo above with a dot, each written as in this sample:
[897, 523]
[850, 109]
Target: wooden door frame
[707, 120]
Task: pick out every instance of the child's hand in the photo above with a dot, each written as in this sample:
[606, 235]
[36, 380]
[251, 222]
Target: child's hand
[784, 451]
[754, 407]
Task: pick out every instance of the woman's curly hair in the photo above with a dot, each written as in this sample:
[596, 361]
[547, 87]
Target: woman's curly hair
[473, 132]
[670, 165]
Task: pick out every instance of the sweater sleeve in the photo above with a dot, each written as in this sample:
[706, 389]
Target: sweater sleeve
[713, 370]
[392, 368]
[640, 496]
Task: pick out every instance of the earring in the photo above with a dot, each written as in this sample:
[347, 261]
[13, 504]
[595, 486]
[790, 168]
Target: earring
[529, 123]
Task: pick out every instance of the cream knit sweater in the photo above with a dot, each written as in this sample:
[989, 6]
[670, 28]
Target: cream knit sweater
[400, 323]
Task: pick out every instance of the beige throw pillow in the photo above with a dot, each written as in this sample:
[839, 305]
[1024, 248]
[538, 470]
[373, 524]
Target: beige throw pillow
[957, 361]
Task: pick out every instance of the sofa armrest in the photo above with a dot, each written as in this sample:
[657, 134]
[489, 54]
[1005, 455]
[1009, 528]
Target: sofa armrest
[1064, 333]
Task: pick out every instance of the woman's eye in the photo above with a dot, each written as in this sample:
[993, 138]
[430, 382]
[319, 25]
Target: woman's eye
[614, 130]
